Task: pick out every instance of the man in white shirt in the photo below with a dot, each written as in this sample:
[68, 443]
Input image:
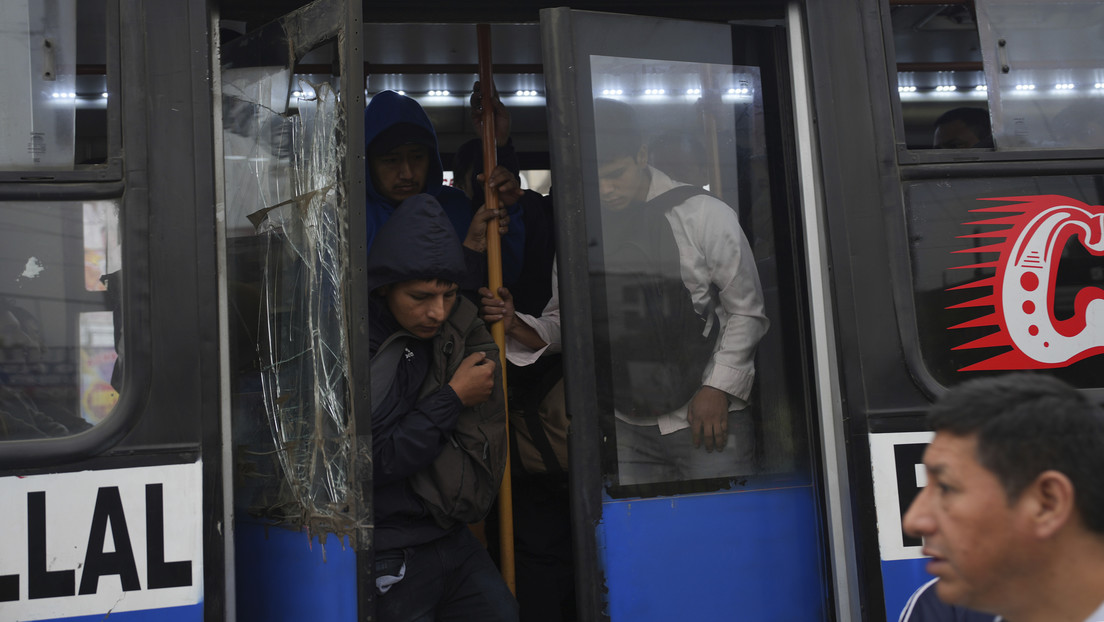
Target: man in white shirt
[1013, 512]
[679, 325]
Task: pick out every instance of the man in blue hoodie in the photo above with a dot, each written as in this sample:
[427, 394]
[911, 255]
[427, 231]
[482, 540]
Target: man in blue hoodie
[438, 426]
[403, 160]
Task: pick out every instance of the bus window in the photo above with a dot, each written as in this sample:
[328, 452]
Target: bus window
[60, 365]
[1044, 64]
[1003, 74]
[980, 306]
[60, 296]
[687, 296]
[56, 93]
[286, 249]
[940, 81]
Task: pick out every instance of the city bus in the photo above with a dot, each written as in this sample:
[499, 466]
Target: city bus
[184, 377]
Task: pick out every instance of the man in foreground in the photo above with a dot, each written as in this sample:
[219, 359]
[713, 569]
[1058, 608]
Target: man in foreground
[1013, 512]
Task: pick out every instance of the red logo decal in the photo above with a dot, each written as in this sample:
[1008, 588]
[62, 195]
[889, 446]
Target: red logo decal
[1023, 287]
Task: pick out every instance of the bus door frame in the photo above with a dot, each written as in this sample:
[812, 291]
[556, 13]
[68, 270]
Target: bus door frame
[804, 187]
[287, 39]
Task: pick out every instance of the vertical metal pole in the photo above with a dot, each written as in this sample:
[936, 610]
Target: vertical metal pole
[494, 281]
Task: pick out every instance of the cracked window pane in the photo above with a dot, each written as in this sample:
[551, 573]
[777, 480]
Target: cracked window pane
[287, 263]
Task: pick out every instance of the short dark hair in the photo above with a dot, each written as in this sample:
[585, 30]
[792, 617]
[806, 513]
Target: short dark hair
[616, 130]
[1027, 423]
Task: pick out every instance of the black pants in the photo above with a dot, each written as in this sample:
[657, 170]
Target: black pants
[542, 547]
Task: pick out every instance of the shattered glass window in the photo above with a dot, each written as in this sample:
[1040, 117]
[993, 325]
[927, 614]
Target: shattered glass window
[286, 265]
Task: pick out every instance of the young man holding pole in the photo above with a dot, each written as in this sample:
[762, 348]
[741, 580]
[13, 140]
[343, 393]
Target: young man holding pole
[438, 426]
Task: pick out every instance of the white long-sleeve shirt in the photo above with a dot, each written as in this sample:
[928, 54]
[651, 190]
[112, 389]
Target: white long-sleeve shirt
[713, 250]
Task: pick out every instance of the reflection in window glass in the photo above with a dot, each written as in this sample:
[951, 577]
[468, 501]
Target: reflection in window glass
[978, 309]
[38, 45]
[59, 364]
[1045, 65]
[55, 117]
[940, 79]
[101, 244]
[679, 306]
[97, 364]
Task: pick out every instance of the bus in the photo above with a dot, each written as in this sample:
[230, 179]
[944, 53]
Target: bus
[184, 378]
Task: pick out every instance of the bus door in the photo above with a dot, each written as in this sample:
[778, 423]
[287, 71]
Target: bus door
[109, 395]
[292, 98]
[666, 530]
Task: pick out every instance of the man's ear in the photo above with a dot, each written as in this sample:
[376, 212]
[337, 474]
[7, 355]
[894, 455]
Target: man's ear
[642, 156]
[1052, 503]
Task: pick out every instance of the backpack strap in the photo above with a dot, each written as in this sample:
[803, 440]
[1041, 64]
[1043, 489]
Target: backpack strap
[675, 196]
[383, 367]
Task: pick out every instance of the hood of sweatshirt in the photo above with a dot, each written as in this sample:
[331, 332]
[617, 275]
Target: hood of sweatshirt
[417, 242]
[391, 120]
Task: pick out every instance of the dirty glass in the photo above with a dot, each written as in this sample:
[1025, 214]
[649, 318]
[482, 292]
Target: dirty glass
[680, 308]
[1044, 63]
[941, 83]
[55, 84]
[286, 266]
[60, 348]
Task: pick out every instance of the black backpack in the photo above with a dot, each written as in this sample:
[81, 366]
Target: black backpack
[658, 344]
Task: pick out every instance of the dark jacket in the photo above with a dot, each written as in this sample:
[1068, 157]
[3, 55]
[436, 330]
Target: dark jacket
[925, 606]
[419, 413]
[388, 109]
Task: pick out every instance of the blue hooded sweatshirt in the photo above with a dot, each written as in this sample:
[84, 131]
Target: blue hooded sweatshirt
[388, 109]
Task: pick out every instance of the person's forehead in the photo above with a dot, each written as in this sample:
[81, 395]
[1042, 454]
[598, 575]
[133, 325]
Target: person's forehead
[616, 165]
[428, 287]
[410, 149]
[956, 126]
[952, 452]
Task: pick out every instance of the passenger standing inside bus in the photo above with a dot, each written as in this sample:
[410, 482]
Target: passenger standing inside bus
[963, 128]
[1012, 515]
[681, 343]
[403, 160]
[438, 426]
[544, 568]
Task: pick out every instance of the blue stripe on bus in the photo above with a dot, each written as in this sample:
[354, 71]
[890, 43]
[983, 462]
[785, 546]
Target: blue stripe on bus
[285, 575]
[188, 613]
[900, 578]
[753, 555]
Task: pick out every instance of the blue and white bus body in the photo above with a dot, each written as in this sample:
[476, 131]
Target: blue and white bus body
[890, 271]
